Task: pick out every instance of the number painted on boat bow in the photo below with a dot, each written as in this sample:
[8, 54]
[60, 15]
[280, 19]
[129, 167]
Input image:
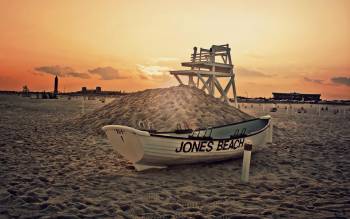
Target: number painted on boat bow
[121, 133]
[208, 146]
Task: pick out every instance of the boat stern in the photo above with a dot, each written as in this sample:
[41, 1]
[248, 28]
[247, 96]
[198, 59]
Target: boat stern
[270, 128]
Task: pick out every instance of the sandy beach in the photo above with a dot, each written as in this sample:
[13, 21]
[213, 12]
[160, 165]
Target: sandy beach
[51, 168]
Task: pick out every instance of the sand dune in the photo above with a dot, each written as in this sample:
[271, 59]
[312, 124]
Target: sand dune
[162, 109]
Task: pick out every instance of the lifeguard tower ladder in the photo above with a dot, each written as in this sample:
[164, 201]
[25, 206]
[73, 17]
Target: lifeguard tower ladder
[208, 65]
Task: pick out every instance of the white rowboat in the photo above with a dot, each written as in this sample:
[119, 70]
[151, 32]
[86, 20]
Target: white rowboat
[159, 150]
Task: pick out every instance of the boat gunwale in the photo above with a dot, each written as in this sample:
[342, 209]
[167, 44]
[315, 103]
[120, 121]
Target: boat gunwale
[159, 134]
[218, 139]
[213, 127]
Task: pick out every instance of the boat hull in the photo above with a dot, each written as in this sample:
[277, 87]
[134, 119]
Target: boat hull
[147, 150]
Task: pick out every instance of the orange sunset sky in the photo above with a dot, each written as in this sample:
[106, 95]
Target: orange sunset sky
[281, 46]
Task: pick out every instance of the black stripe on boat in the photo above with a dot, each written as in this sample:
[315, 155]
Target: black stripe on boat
[213, 139]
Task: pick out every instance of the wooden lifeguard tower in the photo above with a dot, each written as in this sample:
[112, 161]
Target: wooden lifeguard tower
[208, 66]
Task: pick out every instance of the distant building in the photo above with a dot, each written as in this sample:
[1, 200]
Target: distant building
[83, 90]
[296, 97]
[55, 92]
[98, 90]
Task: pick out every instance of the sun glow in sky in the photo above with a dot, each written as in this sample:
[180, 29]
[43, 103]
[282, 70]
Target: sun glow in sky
[281, 46]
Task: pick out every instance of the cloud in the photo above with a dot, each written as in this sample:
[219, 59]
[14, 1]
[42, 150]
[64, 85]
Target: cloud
[317, 81]
[154, 72]
[54, 70]
[244, 72]
[165, 59]
[78, 75]
[61, 71]
[35, 72]
[107, 73]
[144, 77]
[341, 80]
[153, 69]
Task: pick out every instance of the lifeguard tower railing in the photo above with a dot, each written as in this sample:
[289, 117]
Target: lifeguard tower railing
[208, 65]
